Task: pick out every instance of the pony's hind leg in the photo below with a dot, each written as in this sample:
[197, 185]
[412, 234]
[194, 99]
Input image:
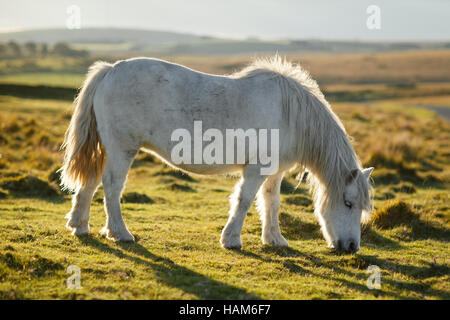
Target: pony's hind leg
[241, 201]
[78, 217]
[268, 207]
[114, 178]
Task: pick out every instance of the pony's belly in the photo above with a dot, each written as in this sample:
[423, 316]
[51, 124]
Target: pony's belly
[206, 169]
[211, 169]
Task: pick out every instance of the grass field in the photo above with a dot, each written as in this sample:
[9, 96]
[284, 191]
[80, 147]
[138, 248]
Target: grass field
[177, 219]
[70, 80]
[329, 69]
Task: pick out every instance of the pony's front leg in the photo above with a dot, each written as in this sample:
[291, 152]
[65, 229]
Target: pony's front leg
[78, 217]
[241, 200]
[114, 178]
[269, 207]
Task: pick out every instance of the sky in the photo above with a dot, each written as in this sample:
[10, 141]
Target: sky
[265, 19]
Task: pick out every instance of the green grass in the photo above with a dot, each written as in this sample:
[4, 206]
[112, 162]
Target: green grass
[70, 80]
[178, 256]
[177, 221]
[399, 108]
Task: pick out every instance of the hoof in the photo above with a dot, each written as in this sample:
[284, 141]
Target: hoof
[277, 241]
[233, 242]
[80, 232]
[232, 247]
[78, 229]
[117, 236]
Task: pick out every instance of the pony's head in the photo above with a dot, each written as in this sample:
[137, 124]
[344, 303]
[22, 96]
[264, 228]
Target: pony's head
[341, 219]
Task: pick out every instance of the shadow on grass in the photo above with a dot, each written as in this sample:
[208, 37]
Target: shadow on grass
[422, 230]
[38, 91]
[417, 229]
[175, 174]
[289, 189]
[294, 228]
[58, 199]
[170, 273]
[424, 272]
[333, 271]
[370, 236]
[394, 176]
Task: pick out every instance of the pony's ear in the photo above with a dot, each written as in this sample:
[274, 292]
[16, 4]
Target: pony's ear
[366, 172]
[352, 176]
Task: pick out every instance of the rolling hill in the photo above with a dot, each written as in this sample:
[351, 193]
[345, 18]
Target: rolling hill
[115, 40]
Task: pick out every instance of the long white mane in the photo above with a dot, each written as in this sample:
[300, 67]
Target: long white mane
[323, 147]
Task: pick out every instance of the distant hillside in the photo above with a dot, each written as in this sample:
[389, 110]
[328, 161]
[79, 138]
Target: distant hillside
[162, 42]
[98, 35]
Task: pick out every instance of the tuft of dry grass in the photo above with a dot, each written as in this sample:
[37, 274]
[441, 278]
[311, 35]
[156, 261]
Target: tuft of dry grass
[405, 187]
[393, 214]
[29, 186]
[136, 197]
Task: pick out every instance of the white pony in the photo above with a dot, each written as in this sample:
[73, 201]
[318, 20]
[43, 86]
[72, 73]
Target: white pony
[137, 104]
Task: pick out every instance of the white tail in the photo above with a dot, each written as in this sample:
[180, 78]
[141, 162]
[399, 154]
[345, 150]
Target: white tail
[84, 157]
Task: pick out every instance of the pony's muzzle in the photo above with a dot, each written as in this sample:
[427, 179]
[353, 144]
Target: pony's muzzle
[349, 246]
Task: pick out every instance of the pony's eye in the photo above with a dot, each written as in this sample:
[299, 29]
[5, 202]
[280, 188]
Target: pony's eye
[348, 204]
